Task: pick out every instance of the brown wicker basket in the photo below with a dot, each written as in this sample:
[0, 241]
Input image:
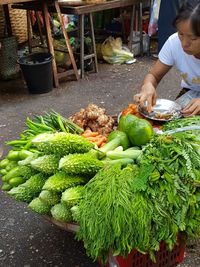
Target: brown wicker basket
[18, 23]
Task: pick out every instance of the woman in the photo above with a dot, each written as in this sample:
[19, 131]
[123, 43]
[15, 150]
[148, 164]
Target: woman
[167, 14]
[182, 50]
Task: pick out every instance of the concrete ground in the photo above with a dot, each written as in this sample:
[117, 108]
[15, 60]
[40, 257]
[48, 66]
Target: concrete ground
[26, 239]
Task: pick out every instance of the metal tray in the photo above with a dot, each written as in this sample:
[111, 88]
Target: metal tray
[164, 110]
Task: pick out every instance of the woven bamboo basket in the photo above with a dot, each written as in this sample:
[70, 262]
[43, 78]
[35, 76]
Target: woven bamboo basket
[18, 22]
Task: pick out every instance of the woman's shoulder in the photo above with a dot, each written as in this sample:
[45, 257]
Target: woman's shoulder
[174, 38]
[171, 52]
[174, 45]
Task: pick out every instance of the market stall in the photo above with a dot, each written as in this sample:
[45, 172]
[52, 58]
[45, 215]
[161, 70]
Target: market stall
[122, 184]
[83, 9]
[43, 6]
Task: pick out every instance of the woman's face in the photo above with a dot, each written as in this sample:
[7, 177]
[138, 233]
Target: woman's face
[189, 42]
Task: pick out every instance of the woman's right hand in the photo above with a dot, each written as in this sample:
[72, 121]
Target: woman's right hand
[148, 95]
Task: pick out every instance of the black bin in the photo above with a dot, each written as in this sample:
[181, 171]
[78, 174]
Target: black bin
[37, 72]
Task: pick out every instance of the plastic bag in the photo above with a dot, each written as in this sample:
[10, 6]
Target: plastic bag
[113, 51]
[153, 23]
[187, 97]
[136, 43]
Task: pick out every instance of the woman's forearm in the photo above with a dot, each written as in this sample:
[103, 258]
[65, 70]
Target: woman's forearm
[150, 79]
[156, 74]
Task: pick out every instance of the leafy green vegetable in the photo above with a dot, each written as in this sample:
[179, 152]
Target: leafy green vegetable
[189, 121]
[109, 216]
[138, 207]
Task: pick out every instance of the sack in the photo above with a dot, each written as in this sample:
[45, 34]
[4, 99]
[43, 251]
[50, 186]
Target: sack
[113, 51]
[153, 23]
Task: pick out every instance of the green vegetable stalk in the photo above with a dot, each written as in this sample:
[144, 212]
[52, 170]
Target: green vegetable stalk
[115, 139]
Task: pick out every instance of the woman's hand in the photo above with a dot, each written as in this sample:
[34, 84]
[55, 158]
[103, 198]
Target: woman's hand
[147, 94]
[193, 108]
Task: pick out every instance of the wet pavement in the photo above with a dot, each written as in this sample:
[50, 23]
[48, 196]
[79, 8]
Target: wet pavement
[27, 239]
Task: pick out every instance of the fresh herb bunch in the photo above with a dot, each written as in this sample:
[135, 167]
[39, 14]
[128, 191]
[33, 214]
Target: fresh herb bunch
[183, 122]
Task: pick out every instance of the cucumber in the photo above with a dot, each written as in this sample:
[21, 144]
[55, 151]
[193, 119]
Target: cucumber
[3, 171]
[132, 154]
[6, 187]
[12, 164]
[16, 181]
[4, 163]
[13, 155]
[23, 154]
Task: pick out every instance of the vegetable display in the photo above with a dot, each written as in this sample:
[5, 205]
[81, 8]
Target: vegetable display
[134, 191]
[143, 205]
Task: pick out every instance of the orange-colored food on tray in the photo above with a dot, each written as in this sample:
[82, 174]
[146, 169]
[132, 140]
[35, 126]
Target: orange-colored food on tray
[95, 137]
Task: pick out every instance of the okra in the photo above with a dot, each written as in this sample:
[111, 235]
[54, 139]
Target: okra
[17, 181]
[4, 163]
[13, 155]
[6, 187]
[3, 171]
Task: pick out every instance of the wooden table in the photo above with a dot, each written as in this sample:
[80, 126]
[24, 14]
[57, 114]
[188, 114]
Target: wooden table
[88, 9]
[6, 2]
[82, 10]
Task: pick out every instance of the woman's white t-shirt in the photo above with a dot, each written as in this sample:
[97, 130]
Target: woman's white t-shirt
[172, 54]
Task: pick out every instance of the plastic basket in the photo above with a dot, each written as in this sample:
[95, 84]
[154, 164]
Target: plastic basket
[18, 23]
[164, 258]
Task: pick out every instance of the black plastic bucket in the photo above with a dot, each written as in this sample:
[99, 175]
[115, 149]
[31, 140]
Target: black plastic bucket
[37, 72]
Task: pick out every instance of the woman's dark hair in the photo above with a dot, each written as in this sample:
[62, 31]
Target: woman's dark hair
[190, 11]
